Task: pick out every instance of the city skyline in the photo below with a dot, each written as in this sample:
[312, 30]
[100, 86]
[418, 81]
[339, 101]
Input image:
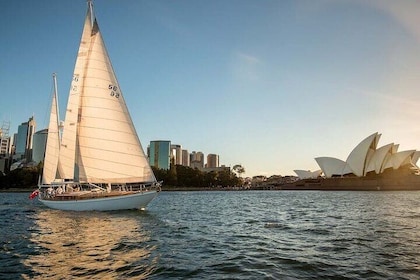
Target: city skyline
[269, 85]
[163, 153]
[28, 144]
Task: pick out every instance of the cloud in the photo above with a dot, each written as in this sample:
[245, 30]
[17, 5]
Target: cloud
[249, 59]
[405, 12]
[167, 18]
[245, 67]
[394, 114]
[172, 25]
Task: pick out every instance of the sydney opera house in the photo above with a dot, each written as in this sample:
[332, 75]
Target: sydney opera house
[368, 167]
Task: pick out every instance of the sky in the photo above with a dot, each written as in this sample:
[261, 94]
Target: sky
[270, 85]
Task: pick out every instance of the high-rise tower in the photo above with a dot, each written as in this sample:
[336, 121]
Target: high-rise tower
[5, 143]
[24, 139]
[212, 161]
[160, 154]
[197, 160]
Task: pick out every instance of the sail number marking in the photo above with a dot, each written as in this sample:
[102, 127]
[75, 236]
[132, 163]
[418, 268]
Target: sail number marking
[74, 82]
[114, 92]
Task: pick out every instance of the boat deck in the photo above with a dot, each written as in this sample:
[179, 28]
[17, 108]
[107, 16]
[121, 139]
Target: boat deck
[79, 195]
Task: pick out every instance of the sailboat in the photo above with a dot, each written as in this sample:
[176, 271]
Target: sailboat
[98, 162]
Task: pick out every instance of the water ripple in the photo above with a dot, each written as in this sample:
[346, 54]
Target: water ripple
[218, 235]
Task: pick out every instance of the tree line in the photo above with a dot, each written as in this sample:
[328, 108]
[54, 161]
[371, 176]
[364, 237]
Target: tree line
[177, 176]
[187, 177]
[20, 178]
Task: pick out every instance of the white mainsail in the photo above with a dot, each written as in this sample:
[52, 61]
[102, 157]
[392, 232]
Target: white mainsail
[53, 141]
[100, 143]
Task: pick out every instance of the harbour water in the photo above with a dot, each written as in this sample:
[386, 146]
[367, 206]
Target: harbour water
[217, 235]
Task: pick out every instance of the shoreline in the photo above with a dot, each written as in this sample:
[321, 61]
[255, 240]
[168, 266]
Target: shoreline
[18, 190]
[307, 186]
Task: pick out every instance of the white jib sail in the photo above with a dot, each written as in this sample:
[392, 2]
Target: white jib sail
[68, 143]
[53, 141]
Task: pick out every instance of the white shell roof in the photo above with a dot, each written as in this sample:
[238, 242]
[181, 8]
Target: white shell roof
[307, 174]
[332, 166]
[365, 157]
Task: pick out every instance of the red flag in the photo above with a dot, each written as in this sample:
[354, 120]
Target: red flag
[34, 194]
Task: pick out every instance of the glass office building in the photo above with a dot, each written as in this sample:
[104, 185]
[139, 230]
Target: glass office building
[160, 154]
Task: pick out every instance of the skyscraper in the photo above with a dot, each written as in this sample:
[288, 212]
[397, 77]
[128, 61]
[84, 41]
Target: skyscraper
[5, 147]
[160, 154]
[212, 161]
[176, 153]
[185, 158]
[38, 149]
[5, 140]
[197, 160]
[24, 139]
